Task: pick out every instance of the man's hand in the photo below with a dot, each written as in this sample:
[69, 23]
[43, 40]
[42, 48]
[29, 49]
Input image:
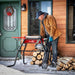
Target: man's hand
[50, 39]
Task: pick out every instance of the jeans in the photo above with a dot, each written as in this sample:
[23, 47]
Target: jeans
[54, 44]
[54, 51]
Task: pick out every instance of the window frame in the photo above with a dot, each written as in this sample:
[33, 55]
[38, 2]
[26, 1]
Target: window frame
[67, 10]
[39, 9]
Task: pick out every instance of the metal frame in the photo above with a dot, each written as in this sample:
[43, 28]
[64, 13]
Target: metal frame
[19, 50]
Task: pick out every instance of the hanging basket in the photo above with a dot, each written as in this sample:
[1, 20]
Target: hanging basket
[9, 11]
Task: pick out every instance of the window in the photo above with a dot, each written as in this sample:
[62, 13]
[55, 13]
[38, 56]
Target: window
[10, 21]
[71, 21]
[34, 7]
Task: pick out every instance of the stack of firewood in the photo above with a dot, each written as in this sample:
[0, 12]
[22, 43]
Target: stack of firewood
[65, 63]
[38, 57]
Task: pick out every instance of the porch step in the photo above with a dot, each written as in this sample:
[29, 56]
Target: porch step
[7, 59]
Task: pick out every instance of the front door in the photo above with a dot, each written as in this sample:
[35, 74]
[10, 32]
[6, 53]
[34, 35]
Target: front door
[9, 27]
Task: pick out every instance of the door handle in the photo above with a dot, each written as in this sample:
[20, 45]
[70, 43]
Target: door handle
[0, 34]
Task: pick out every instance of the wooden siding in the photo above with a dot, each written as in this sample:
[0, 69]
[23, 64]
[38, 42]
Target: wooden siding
[59, 12]
[24, 26]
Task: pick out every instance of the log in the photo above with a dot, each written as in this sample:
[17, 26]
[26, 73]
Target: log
[63, 69]
[69, 65]
[51, 58]
[70, 68]
[66, 66]
[37, 62]
[73, 60]
[58, 68]
[34, 54]
[33, 58]
[58, 57]
[63, 61]
[73, 64]
[42, 53]
[38, 52]
[32, 63]
[66, 63]
[60, 64]
[39, 57]
[49, 63]
[66, 59]
[42, 56]
[74, 67]
[40, 62]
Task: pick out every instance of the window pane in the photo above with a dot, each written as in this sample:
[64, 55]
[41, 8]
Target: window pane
[34, 7]
[71, 20]
[70, 27]
[46, 6]
[10, 21]
[33, 22]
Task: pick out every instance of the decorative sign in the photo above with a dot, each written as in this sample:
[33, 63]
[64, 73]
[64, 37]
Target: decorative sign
[9, 11]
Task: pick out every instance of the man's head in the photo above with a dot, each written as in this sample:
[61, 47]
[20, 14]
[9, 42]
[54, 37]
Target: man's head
[40, 15]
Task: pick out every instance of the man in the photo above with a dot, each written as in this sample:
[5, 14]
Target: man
[48, 27]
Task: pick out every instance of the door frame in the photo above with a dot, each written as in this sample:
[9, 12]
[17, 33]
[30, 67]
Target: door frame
[19, 19]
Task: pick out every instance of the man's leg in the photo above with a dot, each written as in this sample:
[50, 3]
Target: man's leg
[46, 56]
[54, 51]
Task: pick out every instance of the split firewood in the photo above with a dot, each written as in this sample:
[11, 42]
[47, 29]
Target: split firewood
[58, 57]
[68, 58]
[60, 64]
[73, 64]
[74, 67]
[32, 63]
[39, 57]
[34, 54]
[38, 52]
[58, 68]
[40, 62]
[51, 58]
[49, 63]
[37, 62]
[66, 66]
[42, 56]
[63, 61]
[33, 58]
[42, 53]
[63, 69]
[69, 65]
[70, 68]
[73, 60]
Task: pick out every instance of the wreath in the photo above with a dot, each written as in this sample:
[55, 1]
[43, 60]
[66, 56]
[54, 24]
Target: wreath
[9, 11]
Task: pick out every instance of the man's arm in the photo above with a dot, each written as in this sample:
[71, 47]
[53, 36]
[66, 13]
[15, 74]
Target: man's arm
[52, 23]
[42, 32]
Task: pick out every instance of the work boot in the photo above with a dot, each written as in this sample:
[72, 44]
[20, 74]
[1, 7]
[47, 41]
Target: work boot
[53, 64]
[44, 66]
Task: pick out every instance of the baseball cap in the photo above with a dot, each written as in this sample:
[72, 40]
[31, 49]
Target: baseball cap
[38, 14]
